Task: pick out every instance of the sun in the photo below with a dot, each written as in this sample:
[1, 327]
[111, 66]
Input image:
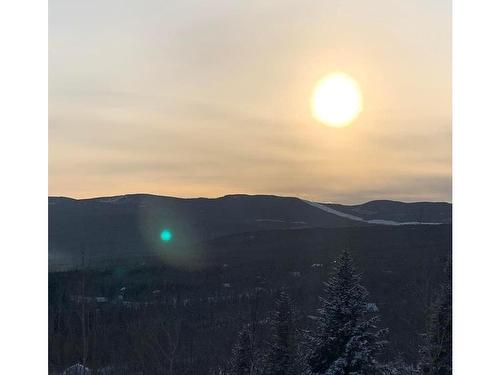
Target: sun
[336, 100]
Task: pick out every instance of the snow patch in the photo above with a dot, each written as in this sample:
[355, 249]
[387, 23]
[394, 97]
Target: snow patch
[357, 218]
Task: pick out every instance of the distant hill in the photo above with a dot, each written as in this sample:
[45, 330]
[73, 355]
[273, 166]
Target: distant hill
[129, 226]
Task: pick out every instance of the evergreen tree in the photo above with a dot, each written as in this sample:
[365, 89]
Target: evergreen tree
[436, 352]
[282, 356]
[242, 361]
[345, 341]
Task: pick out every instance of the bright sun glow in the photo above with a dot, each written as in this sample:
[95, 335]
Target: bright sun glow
[336, 100]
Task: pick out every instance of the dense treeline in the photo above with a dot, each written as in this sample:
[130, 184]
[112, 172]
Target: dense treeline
[185, 327]
[345, 339]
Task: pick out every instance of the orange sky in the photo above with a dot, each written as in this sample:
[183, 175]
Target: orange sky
[186, 98]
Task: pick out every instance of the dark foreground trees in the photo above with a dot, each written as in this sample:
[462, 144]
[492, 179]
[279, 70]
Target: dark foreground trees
[345, 340]
[163, 329]
[243, 359]
[436, 351]
[283, 356]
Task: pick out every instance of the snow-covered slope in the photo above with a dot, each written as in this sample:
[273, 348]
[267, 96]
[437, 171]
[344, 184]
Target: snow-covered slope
[357, 218]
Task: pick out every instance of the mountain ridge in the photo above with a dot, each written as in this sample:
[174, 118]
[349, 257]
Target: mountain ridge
[131, 225]
[242, 195]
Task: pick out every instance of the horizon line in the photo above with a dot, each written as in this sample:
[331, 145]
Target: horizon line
[241, 194]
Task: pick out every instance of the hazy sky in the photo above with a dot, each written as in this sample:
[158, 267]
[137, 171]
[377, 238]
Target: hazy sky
[207, 98]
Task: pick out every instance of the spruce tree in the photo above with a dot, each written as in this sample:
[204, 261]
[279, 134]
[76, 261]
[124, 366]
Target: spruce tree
[345, 340]
[436, 352]
[242, 361]
[282, 355]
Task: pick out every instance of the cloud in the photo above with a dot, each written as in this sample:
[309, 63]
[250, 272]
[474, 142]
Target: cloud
[187, 98]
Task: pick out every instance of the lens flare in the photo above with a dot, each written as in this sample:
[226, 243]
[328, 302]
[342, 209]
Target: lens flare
[165, 235]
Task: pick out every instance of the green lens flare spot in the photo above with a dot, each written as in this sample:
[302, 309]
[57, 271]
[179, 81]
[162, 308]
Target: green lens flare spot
[165, 235]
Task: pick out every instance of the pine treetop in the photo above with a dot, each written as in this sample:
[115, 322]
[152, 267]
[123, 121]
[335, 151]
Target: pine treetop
[345, 341]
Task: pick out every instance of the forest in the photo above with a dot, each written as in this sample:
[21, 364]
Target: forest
[258, 317]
